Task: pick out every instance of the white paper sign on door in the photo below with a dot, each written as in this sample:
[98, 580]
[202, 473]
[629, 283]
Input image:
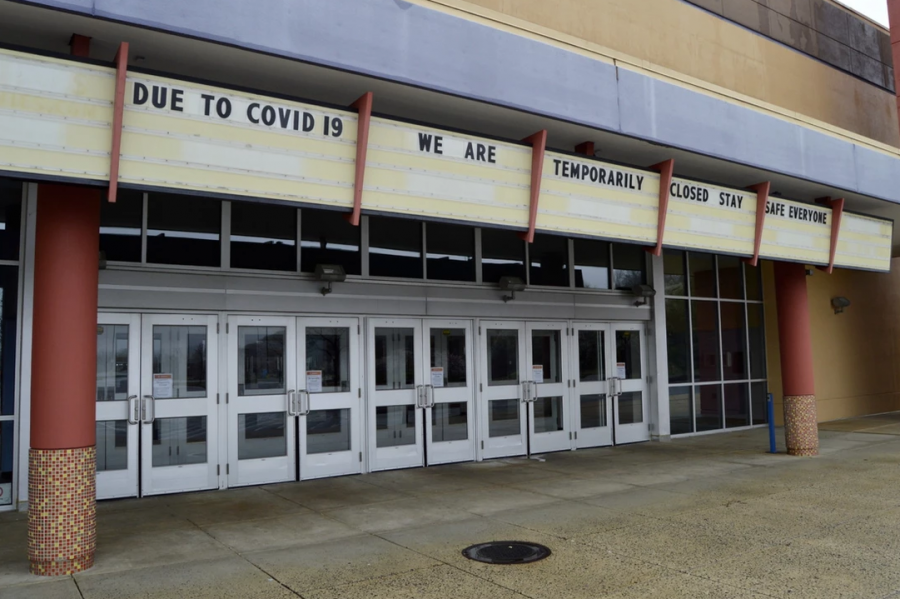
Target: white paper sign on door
[6, 494]
[314, 381]
[620, 370]
[163, 387]
[437, 377]
[537, 373]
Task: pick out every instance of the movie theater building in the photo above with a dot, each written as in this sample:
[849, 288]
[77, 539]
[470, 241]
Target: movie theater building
[247, 243]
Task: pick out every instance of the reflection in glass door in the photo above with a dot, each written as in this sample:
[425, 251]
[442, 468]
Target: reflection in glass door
[261, 377]
[630, 390]
[328, 399]
[178, 404]
[396, 393]
[449, 386]
[504, 387]
[118, 404]
[591, 407]
[548, 425]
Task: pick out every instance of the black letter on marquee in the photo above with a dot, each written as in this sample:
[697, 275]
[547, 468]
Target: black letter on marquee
[438, 144]
[424, 142]
[309, 122]
[481, 150]
[284, 117]
[223, 108]
[159, 96]
[469, 152]
[556, 162]
[250, 113]
[337, 127]
[177, 99]
[268, 115]
[140, 94]
[207, 100]
[492, 154]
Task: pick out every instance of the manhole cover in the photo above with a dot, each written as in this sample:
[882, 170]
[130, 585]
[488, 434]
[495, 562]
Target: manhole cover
[506, 552]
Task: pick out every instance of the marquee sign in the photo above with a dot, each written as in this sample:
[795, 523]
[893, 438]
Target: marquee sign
[56, 120]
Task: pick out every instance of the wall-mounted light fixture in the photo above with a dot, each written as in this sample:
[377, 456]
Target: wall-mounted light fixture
[643, 293]
[839, 303]
[330, 273]
[511, 284]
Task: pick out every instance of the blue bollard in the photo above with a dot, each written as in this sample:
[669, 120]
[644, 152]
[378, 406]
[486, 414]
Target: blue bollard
[770, 412]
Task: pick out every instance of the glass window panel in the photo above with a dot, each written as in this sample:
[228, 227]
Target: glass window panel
[179, 441]
[503, 357]
[180, 352]
[708, 407]
[328, 431]
[261, 436]
[674, 272]
[757, 333]
[631, 407]
[731, 278]
[591, 356]
[395, 425]
[261, 360]
[548, 414]
[593, 411]
[549, 261]
[630, 264]
[734, 341]
[737, 405]
[702, 274]
[546, 351]
[450, 422]
[395, 247]
[112, 362]
[502, 255]
[678, 341]
[503, 418]
[591, 264]
[394, 358]
[450, 252]
[183, 230]
[6, 461]
[327, 238]
[628, 354]
[448, 352]
[681, 410]
[328, 353]
[120, 226]
[9, 283]
[112, 445]
[10, 218]
[753, 281]
[705, 333]
[263, 236]
[758, 399]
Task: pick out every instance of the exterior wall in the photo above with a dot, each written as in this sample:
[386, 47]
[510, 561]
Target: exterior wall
[857, 353]
[821, 28]
[696, 43]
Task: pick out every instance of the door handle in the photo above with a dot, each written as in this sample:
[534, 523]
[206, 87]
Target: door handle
[526, 392]
[304, 409]
[534, 392]
[420, 396]
[429, 396]
[148, 401]
[134, 409]
[290, 397]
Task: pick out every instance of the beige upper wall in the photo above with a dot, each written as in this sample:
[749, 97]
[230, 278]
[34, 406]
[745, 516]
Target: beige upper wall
[684, 38]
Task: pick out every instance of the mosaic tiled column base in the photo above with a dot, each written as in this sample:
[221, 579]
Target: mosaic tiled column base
[62, 510]
[801, 428]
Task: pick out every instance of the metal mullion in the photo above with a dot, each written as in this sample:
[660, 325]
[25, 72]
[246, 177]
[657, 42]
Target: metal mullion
[570, 243]
[690, 321]
[612, 268]
[423, 247]
[749, 373]
[479, 277]
[364, 245]
[721, 352]
[225, 236]
[145, 208]
[527, 263]
[298, 239]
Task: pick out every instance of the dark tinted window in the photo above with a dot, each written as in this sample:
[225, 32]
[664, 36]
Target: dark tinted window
[591, 264]
[183, 230]
[673, 267]
[549, 261]
[120, 226]
[395, 247]
[678, 341]
[754, 285]
[10, 218]
[730, 279]
[502, 255]
[703, 274]
[263, 236]
[705, 330]
[450, 252]
[630, 264]
[9, 295]
[327, 238]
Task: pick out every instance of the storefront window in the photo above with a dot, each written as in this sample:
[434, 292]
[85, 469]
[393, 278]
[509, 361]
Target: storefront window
[263, 237]
[630, 264]
[591, 264]
[120, 226]
[184, 230]
[10, 218]
[450, 252]
[327, 238]
[548, 259]
[502, 255]
[395, 247]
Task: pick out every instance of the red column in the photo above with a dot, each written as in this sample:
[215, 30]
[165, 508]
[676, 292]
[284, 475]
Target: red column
[62, 459]
[800, 421]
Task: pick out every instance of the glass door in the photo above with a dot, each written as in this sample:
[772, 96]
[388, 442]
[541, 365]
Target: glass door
[504, 388]
[328, 400]
[449, 386]
[591, 407]
[261, 447]
[179, 429]
[396, 393]
[118, 404]
[629, 384]
[548, 425]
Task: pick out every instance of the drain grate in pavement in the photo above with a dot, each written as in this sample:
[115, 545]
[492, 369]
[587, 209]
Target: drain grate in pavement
[506, 552]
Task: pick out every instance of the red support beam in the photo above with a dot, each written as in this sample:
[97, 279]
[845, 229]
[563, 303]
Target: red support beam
[837, 213]
[762, 200]
[80, 45]
[538, 143]
[666, 172]
[364, 107]
[118, 114]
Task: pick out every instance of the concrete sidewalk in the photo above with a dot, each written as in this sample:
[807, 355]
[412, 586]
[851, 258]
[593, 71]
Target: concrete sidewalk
[711, 516]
